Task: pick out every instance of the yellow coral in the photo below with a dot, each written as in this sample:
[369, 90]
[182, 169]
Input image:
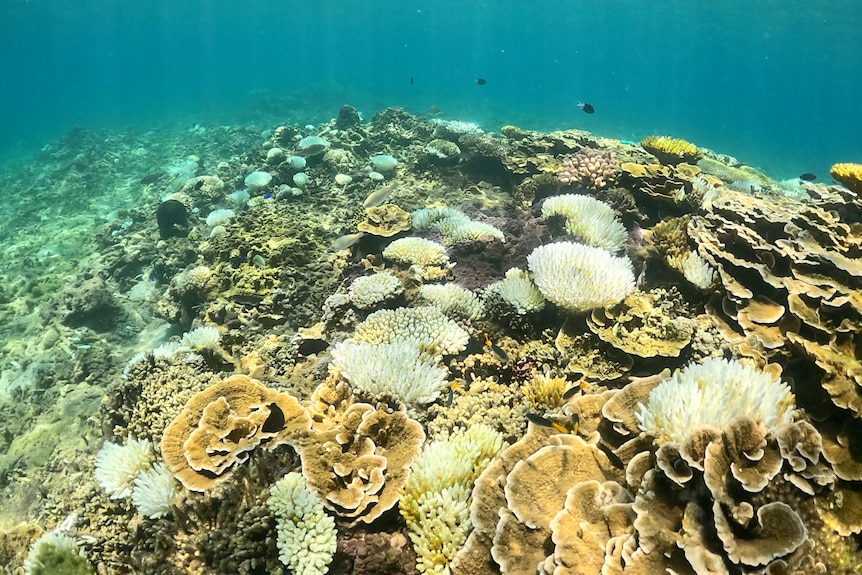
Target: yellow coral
[671, 150]
[848, 174]
[545, 391]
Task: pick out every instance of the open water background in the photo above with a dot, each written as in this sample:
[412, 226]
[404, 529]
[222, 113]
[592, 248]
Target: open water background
[776, 83]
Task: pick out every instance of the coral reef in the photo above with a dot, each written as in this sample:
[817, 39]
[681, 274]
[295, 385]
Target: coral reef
[356, 372]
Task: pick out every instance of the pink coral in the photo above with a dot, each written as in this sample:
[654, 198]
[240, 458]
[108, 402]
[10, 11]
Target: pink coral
[592, 168]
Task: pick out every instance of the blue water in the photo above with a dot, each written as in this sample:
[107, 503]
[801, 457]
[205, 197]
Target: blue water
[775, 83]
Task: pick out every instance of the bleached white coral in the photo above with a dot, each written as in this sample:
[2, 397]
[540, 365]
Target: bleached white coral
[427, 327]
[217, 217]
[453, 300]
[366, 291]
[398, 369]
[457, 232]
[154, 491]
[711, 394]
[578, 278]
[204, 337]
[169, 350]
[436, 500]
[588, 220]
[417, 251]
[57, 546]
[305, 535]
[455, 226]
[696, 270]
[518, 291]
[117, 466]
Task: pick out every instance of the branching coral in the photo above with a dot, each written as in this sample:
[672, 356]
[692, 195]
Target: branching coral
[711, 394]
[588, 220]
[306, 535]
[590, 167]
[436, 498]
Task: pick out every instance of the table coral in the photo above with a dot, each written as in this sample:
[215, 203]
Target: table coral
[671, 150]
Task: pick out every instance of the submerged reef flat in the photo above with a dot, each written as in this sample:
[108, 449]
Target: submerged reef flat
[413, 346]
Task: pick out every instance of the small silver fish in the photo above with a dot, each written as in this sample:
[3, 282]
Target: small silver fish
[377, 197]
[345, 241]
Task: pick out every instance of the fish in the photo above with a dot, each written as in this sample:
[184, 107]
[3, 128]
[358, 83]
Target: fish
[808, 177]
[411, 80]
[541, 421]
[588, 108]
[451, 395]
[377, 197]
[569, 393]
[495, 349]
[345, 241]
[433, 110]
[481, 81]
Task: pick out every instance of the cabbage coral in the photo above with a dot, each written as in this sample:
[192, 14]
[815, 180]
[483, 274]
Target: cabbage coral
[588, 220]
[578, 278]
[712, 394]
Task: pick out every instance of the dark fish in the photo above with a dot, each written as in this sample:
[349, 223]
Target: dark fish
[496, 350]
[613, 457]
[808, 177]
[411, 80]
[434, 110]
[537, 419]
[576, 423]
[588, 108]
[152, 178]
[574, 389]
[481, 81]
[451, 396]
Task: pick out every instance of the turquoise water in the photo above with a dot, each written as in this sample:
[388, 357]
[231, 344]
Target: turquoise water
[775, 83]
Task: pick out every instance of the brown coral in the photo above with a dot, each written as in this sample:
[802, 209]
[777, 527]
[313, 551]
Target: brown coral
[384, 221]
[804, 263]
[643, 325]
[222, 424]
[360, 461]
[589, 167]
